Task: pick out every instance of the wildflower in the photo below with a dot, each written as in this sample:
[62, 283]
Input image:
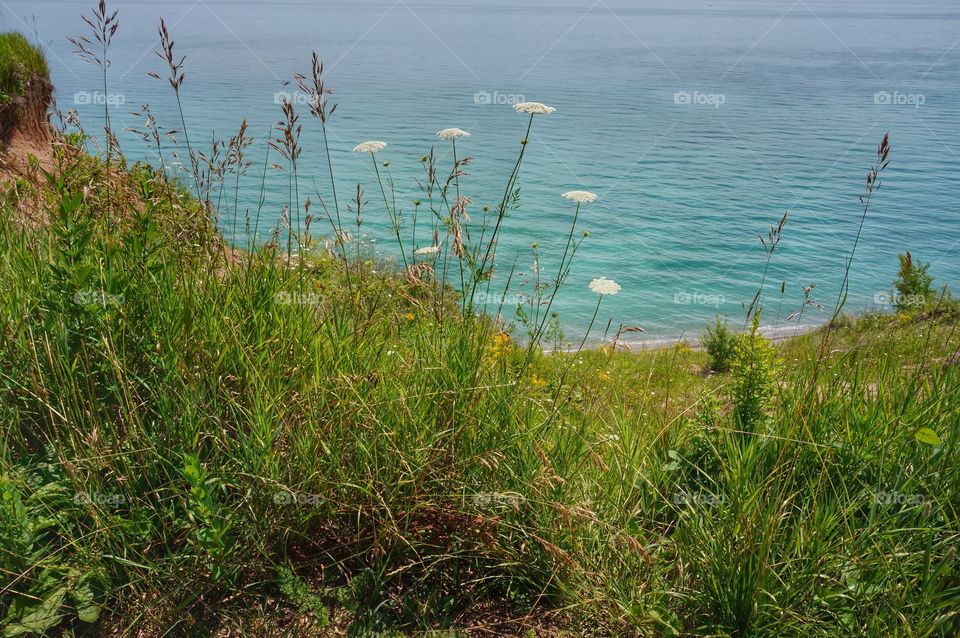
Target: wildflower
[452, 133]
[409, 316]
[580, 197]
[533, 108]
[499, 345]
[428, 250]
[604, 286]
[604, 376]
[369, 147]
[537, 383]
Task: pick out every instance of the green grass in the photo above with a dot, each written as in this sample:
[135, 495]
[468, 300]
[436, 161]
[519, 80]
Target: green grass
[179, 430]
[298, 438]
[19, 60]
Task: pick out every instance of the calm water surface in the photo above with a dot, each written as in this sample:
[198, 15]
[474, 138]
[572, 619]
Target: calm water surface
[697, 123]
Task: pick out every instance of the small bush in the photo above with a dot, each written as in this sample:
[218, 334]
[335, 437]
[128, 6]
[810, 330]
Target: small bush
[914, 285]
[756, 367]
[720, 342]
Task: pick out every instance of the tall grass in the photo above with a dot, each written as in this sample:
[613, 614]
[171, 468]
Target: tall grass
[19, 60]
[190, 432]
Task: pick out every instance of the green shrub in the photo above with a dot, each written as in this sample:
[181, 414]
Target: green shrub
[756, 367]
[914, 285]
[299, 593]
[39, 515]
[720, 343]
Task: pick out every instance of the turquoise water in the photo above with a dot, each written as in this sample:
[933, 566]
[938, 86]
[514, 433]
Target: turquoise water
[698, 124]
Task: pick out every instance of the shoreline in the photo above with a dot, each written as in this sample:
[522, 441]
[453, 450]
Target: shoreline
[776, 334]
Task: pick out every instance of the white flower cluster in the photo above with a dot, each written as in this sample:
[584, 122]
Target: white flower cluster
[452, 133]
[604, 286]
[369, 147]
[533, 108]
[580, 197]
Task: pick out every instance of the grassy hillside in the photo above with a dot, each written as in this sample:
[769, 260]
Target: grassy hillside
[19, 61]
[25, 95]
[296, 439]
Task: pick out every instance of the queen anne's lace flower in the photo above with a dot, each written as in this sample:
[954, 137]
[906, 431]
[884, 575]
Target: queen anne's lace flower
[604, 286]
[369, 147]
[428, 250]
[534, 108]
[452, 133]
[580, 197]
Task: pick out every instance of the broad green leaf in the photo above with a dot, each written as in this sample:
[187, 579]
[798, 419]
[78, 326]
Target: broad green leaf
[84, 599]
[928, 436]
[39, 617]
[83, 274]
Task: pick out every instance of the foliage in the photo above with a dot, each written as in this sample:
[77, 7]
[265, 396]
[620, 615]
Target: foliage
[179, 418]
[720, 342]
[299, 593]
[19, 60]
[245, 415]
[38, 520]
[755, 370]
[914, 285]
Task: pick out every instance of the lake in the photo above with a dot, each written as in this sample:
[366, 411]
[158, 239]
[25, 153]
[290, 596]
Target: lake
[698, 124]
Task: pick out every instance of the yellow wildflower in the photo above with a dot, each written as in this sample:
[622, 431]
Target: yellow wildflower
[499, 345]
